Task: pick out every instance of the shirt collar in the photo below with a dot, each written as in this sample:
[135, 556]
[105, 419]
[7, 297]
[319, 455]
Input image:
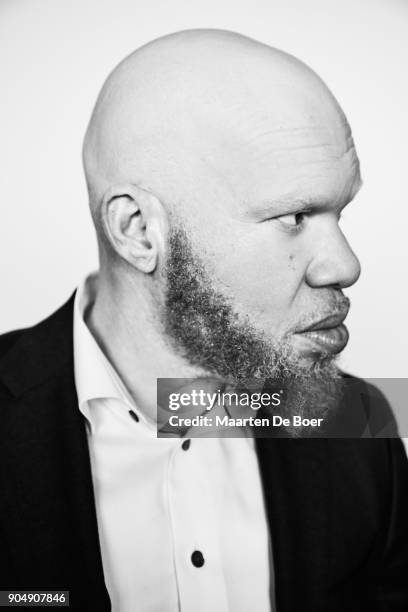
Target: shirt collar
[95, 378]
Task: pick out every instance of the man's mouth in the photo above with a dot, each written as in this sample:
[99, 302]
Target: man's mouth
[328, 335]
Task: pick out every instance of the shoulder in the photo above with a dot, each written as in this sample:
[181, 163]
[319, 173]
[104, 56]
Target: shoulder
[7, 343]
[364, 411]
[8, 339]
[370, 393]
[377, 454]
[30, 355]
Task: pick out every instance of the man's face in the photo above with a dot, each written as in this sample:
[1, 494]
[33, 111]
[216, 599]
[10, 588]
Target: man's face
[264, 255]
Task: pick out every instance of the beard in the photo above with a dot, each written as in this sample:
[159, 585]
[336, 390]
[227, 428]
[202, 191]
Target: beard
[204, 328]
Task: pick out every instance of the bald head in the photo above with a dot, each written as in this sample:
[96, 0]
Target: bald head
[186, 112]
[218, 168]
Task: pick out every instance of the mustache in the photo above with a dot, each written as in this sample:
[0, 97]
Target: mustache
[336, 305]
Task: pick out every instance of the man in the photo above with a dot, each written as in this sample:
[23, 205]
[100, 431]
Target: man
[217, 170]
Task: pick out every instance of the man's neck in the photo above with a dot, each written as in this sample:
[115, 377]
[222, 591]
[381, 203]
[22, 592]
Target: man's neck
[126, 332]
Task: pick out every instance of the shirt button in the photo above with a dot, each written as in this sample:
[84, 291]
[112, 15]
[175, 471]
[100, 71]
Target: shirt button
[186, 445]
[197, 558]
[134, 416]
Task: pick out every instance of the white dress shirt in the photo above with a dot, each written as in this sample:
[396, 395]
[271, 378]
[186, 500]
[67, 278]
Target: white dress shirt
[182, 527]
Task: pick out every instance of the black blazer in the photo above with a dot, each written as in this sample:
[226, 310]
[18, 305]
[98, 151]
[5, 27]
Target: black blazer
[337, 508]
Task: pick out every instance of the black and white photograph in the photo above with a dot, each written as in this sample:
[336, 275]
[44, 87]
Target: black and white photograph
[203, 337]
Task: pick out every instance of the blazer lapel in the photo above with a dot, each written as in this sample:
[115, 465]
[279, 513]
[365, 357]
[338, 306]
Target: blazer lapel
[47, 493]
[296, 489]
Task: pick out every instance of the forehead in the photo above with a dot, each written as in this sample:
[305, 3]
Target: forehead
[307, 155]
[311, 163]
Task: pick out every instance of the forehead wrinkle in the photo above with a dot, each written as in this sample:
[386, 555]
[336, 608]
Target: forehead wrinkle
[297, 140]
[297, 131]
[257, 145]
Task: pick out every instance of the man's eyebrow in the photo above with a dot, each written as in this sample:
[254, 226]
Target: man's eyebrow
[288, 205]
[296, 204]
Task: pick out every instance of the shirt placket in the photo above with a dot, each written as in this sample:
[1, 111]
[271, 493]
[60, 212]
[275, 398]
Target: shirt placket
[197, 556]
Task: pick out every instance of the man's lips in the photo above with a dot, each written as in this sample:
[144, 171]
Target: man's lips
[333, 320]
[328, 335]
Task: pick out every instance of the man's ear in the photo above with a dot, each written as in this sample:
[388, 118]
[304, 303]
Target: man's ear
[133, 221]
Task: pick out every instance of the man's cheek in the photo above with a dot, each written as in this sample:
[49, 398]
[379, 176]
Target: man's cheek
[292, 264]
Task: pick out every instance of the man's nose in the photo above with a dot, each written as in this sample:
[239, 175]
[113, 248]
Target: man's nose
[334, 263]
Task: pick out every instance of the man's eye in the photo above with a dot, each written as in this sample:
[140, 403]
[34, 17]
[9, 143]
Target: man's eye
[293, 220]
